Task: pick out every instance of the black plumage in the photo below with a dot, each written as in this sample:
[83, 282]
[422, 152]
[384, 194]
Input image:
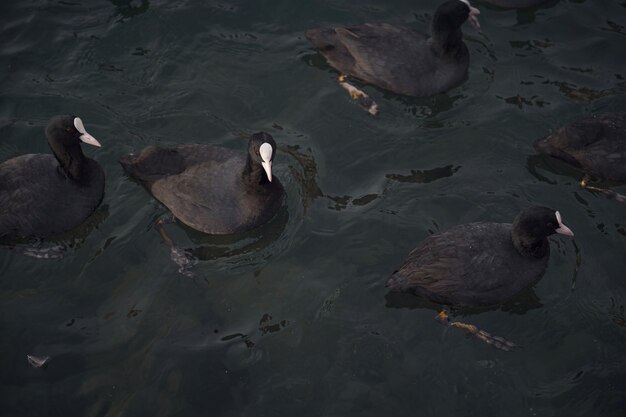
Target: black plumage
[210, 188]
[400, 59]
[596, 144]
[480, 264]
[44, 195]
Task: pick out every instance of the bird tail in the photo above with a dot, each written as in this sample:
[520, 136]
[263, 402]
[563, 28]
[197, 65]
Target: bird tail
[128, 162]
[395, 282]
[322, 38]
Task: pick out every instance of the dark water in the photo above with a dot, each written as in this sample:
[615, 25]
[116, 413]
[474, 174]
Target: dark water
[293, 319]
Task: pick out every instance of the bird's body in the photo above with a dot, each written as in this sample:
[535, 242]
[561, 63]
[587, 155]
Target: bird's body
[42, 195]
[50, 204]
[400, 59]
[212, 189]
[444, 267]
[596, 144]
[480, 264]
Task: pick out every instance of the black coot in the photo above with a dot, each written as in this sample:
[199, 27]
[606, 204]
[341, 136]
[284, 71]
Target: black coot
[212, 189]
[597, 144]
[481, 264]
[400, 59]
[44, 195]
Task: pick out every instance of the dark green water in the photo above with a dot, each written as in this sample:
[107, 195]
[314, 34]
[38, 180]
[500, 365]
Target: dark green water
[294, 319]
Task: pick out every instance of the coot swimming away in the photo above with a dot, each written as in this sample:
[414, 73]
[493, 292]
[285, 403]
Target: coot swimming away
[400, 59]
[597, 144]
[43, 195]
[481, 264]
[210, 188]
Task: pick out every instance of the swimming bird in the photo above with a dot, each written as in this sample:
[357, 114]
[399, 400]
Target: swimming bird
[596, 144]
[481, 264]
[43, 195]
[212, 189]
[400, 59]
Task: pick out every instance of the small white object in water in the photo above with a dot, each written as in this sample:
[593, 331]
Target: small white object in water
[52, 252]
[37, 361]
[184, 259]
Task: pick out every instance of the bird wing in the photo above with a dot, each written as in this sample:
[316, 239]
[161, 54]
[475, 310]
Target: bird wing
[198, 194]
[444, 267]
[372, 44]
[28, 202]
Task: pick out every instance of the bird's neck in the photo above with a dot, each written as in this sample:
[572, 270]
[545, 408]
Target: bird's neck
[72, 161]
[253, 173]
[446, 39]
[530, 246]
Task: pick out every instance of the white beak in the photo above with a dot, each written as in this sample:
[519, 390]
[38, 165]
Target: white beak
[87, 138]
[265, 151]
[267, 166]
[473, 17]
[84, 136]
[562, 229]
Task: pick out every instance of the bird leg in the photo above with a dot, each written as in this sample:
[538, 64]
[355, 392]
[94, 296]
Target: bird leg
[360, 96]
[496, 341]
[169, 219]
[610, 194]
[181, 257]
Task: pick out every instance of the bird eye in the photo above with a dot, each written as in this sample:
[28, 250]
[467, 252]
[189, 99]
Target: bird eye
[70, 129]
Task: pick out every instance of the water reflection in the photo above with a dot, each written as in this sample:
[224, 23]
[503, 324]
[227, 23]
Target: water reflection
[211, 247]
[306, 176]
[128, 9]
[538, 162]
[427, 107]
[526, 17]
[522, 5]
[521, 101]
[588, 182]
[426, 176]
[616, 312]
[522, 303]
[354, 8]
[72, 239]
[526, 10]
[580, 93]
[416, 177]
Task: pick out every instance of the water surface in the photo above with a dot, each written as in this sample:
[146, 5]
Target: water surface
[294, 318]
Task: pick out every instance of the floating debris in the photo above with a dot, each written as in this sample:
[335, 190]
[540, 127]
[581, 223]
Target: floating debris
[37, 361]
[184, 259]
[52, 252]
